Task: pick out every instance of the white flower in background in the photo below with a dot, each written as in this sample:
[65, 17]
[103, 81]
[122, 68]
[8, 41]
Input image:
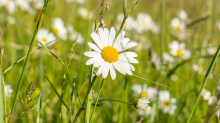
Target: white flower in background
[155, 29]
[218, 25]
[59, 28]
[177, 24]
[11, 20]
[206, 95]
[145, 112]
[78, 1]
[84, 13]
[24, 5]
[212, 50]
[144, 22]
[8, 90]
[178, 49]
[167, 104]
[155, 60]
[142, 103]
[129, 23]
[211, 100]
[106, 53]
[44, 36]
[195, 67]
[167, 58]
[73, 35]
[9, 5]
[182, 15]
[144, 91]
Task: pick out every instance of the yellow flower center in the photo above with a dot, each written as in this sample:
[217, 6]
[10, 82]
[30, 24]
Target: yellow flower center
[85, 15]
[6, 5]
[44, 40]
[144, 94]
[56, 30]
[110, 54]
[165, 103]
[143, 22]
[74, 0]
[179, 52]
[177, 27]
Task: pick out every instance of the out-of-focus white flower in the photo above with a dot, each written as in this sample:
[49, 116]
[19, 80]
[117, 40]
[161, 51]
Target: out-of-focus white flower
[167, 104]
[44, 36]
[195, 67]
[138, 47]
[211, 50]
[182, 15]
[78, 1]
[144, 91]
[178, 49]
[84, 13]
[144, 22]
[59, 28]
[11, 20]
[142, 103]
[24, 5]
[145, 112]
[206, 95]
[107, 54]
[167, 58]
[73, 35]
[9, 5]
[8, 90]
[155, 29]
[129, 23]
[210, 101]
[177, 24]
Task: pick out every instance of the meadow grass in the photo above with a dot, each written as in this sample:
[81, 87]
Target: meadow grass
[69, 90]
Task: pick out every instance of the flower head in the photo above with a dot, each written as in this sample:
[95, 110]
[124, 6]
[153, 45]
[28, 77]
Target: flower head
[107, 56]
[8, 91]
[212, 50]
[144, 22]
[178, 49]
[44, 36]
[59, 28]
[177, 24]
[206, 95]
[142, 103]
[144, 91]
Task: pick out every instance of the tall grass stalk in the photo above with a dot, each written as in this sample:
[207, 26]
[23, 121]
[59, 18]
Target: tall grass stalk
[39, 105]
[205, 79]
[46, 4]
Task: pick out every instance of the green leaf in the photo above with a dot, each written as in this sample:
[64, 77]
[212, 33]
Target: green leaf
[39, 103]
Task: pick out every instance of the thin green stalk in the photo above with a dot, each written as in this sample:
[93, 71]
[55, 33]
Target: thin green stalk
[39, 105]
[97, 99]
[46, 3]
[115, 101]
[205, 79]
[21, 59]
[84, 102]
[55, 89]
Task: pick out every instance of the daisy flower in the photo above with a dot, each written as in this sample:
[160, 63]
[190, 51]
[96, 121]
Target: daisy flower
[24, 5]
[142, 103]
[129, 23]
[167, 58]
[206, 95]
[107, 56]
[212, 50]
[167, 104]
[73, 34]
[44, 36]
[177, 24]
[84, 13]
[145, 112]
[8, 91]
[144, 91]
[178, 49]
[144, 22]
[182, 15]
[155, 29]
[9, 5]
[195, 67]
[59, 28]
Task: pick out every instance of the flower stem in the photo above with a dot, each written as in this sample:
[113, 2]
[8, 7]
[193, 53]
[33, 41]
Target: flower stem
[205, 79]
[116, 101]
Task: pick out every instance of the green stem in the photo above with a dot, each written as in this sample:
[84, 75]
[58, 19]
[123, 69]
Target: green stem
[29, 52]
[205, 79]
[116, 101]
[97, 99]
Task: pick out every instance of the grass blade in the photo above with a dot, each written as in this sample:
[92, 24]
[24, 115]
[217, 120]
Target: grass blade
[39, 104]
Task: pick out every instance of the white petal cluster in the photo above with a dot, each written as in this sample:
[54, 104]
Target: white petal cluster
[178, 49]
[206, 95]
[73, 35]
[8, 90]
[107, 39]
[84, 13]
[9, 5]
[212, 50]
[59, 28]
[142, 103]
[45, 37]
[144, 91]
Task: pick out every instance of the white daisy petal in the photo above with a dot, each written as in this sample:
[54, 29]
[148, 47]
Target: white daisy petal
[102, 36]
[97, 40]
[98, 63]
[128, 59]
[119, 38]
[112, 36]
[105, 70]
[124, 67]
[128, 54]
[92, 54]
[99, 72]
[117, 66]
[122, 43]
[112, 71]
[106, 36]
[129, 45]
[92, 60]
[94, 47]
[127, 65]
